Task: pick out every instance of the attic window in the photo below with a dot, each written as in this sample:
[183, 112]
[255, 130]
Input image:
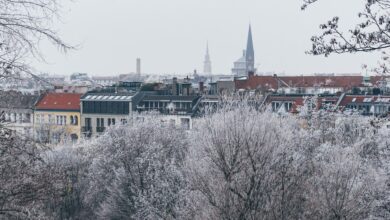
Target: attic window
[354, 100]
[55, 103]
[69, 103]
[367, 99]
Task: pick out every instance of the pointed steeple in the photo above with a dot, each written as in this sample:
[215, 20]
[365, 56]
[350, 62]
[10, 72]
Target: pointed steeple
[207, 61]
[250, 53]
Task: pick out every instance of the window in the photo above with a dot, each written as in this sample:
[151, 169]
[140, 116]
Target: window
[275, 106]
[185, 123]
[100, 122]
[111, 121]
[123, 121]
[106, 107]
[76, 120]
[71, 120]
[88, 122]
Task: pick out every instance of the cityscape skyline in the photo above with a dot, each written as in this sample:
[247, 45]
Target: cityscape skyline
[174, 31]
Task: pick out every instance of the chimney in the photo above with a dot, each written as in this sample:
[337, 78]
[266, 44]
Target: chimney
[138, 65]
[174, 86]
[201, 87]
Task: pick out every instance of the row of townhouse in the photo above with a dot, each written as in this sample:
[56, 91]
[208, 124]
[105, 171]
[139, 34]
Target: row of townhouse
[304, 84]
[66, 117]
[55, 117]
[367, 105]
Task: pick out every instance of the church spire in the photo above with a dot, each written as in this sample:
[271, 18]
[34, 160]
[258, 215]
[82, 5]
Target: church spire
[250, 53]
[207, 61]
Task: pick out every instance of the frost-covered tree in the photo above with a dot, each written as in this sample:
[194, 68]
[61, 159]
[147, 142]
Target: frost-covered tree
[23, 182]
[247, 165]
[137, 172]
[67, 168]
[342, 185]
[250, 165]
[372, 33]
[237, 163]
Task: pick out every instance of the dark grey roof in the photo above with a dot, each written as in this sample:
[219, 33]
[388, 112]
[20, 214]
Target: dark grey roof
[108, 96]
[169, 98]
[17, 100]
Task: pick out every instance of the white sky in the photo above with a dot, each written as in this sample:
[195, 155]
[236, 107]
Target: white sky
[170, 36]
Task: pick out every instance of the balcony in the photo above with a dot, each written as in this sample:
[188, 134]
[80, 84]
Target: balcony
[87, 131]
[100, 129]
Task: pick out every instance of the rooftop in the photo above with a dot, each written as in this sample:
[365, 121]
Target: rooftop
[108, 97]
[169, 98]
[59, 101]
[18, 100]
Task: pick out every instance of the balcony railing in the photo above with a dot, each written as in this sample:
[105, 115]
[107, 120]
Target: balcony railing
[100, 129]
[86, 129]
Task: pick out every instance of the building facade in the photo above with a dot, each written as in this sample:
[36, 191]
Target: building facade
[175, 110]
[100, 110]
[57, 118]
[16, 111]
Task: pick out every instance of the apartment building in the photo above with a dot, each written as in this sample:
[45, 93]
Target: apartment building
[16, 111]
[175, 110]
[57, 118]
[100, 110]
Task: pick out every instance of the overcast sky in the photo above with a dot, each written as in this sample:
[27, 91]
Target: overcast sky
[170, 36]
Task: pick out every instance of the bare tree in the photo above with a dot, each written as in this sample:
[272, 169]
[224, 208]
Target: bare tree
[23, 25]
[372, 33]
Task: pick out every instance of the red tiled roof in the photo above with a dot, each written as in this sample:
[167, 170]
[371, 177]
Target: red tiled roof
[257, 82]
[270, 82]
[348, 99]
[59, 101]
[298, 101]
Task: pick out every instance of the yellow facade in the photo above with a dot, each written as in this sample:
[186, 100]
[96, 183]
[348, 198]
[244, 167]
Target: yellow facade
[57, 126]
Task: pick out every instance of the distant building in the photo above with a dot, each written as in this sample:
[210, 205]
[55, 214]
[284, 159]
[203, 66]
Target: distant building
[71, 89]
[246, 64]
[280, 103]
[207, 62]
[376, 105]
[317, 84]
[138, 66]
[57, 118]
[16, 111]
[105, 80]
[239, 68]
[79, 77]
[52, 79]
